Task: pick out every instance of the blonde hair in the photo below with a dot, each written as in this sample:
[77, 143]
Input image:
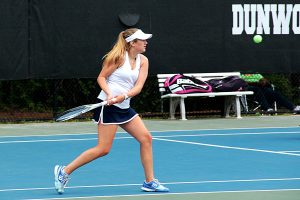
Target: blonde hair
[116, 55]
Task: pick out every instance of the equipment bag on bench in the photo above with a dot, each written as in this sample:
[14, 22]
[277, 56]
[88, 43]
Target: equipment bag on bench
[181, 84]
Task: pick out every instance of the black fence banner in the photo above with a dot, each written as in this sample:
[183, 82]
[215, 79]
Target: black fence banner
[68, 38]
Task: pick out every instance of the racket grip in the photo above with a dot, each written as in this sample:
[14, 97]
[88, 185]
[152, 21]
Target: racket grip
[114, 99]
[106, 102]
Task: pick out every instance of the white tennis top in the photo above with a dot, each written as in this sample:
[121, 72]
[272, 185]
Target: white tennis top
[122, 80]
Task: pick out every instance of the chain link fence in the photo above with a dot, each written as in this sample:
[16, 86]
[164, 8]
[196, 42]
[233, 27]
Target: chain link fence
[42, 100]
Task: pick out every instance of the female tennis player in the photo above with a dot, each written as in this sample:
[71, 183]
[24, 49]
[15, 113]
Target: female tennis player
[123, 75]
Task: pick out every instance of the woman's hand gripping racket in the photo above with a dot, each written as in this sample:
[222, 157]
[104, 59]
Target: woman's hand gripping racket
[74, 112]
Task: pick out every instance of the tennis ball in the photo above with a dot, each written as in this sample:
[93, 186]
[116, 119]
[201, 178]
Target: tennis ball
[257, 39]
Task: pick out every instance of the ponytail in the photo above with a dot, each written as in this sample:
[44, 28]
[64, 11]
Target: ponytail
[116, 55]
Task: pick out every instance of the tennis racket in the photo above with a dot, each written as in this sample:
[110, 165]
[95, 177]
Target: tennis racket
[74, 112]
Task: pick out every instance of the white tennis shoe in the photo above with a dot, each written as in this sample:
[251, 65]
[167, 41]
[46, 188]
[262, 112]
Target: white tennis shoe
[61, 178]
[154, 186]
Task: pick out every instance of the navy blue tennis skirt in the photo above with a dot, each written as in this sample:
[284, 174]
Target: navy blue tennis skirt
[113, 114]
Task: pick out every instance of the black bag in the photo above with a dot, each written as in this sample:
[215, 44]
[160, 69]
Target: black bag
[228, 84]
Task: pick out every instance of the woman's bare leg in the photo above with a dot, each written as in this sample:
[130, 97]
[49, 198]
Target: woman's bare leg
[106, 134]
[137, 129]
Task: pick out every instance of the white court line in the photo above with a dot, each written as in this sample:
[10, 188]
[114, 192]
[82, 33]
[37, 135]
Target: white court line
[159, 136]
[227, 147]
[170, 193]
[57, 140]
[228, 134]
[50, 135]
[158, 131]
[35, 141]
[165, 183]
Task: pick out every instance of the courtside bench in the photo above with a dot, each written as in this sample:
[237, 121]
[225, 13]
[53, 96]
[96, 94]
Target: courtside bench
[232, 99]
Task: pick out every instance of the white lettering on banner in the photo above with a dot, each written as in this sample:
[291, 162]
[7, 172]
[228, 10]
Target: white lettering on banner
[296, 19]
[257, 18]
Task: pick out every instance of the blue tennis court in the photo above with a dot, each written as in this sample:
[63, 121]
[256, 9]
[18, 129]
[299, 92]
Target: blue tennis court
[189, 162]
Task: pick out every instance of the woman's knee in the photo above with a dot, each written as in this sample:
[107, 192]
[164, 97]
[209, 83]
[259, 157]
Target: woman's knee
[102, 151]
[146, 138]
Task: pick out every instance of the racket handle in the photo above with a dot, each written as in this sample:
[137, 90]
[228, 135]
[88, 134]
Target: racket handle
[114, 99]
[106, 102]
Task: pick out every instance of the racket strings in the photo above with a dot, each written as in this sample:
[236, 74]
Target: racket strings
[74, 112]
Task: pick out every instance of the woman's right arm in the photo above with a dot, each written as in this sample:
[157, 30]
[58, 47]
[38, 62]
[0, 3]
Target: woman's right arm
[106, 71]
